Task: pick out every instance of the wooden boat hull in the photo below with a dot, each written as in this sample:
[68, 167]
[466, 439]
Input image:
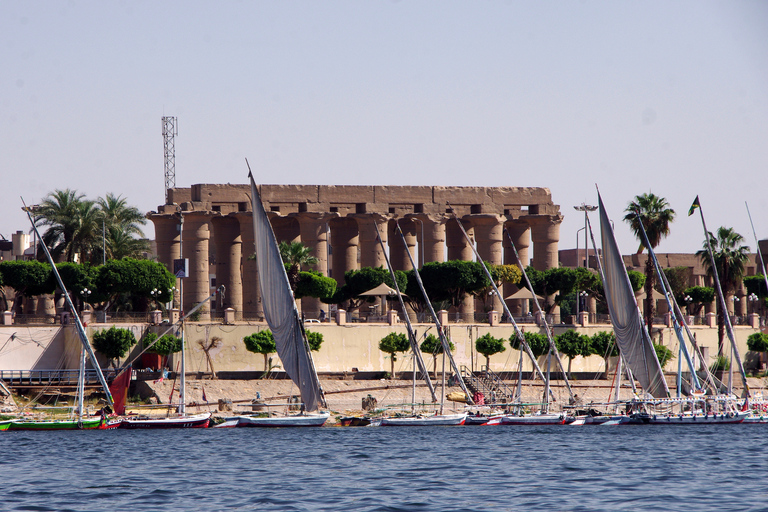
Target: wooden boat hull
[195, 421]
[425, 421]
[354, 421]
[6, 424]
[483, 420]
[303, 420]
[534, 419]
[86, 424]
[687, 419]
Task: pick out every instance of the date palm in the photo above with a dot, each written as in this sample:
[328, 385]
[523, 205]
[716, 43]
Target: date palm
[656, 215]
[72, 223]
[296, 255]
[121, 229]
[730, 261]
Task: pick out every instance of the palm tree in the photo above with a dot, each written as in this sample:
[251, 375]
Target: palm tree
[121, 225]
[655, 214]
[71, 222]
[730, 261]
[295, 255]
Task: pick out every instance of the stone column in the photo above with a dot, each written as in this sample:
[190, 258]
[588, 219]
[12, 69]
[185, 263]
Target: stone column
[488, 236]
[459, 249]
[371, 254]
[397, 251]
[313, 228]
[228, 244]
[166, 238]
[344, 242]
[545, 233]
[520, 233]
[195, 239]
[251, 295]
[286, 228]
[434, 237]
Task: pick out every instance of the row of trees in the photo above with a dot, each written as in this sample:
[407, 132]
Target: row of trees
[84, 230]
[127, 284]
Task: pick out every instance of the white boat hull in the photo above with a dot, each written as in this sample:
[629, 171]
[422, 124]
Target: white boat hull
[534, 419]
[425, 421]
[193, 421]
[689, 419]
[302, 420]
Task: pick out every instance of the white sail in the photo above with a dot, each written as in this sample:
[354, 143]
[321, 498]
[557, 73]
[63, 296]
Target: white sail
[631, 334]
[280, 307]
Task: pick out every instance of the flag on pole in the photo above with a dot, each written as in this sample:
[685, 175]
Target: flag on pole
[694, 206]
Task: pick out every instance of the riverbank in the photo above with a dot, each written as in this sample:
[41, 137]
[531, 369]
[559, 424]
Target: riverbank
[345, 397]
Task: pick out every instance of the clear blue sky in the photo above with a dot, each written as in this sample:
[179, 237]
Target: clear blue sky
[669, 97]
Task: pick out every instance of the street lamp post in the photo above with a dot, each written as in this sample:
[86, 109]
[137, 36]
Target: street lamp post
[577, 265]
[586, 208]
[688, 299]
[85, 292]
[753, 298]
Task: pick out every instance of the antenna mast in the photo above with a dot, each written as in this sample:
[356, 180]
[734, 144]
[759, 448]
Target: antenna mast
[170, 130]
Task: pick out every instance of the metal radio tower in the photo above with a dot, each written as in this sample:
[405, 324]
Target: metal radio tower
[170, 130]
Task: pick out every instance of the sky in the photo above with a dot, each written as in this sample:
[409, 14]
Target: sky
[634, 97]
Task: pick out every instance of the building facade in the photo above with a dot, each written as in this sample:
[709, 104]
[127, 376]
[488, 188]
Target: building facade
[211, 225]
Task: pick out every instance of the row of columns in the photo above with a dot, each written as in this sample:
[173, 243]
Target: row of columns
[354, 243]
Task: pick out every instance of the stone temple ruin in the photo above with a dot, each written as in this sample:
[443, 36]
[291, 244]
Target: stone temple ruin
[337, 224]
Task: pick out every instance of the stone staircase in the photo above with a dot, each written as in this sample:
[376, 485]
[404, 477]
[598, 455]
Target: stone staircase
[488, 383]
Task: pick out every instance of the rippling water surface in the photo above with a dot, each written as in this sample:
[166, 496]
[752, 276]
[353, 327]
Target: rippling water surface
[585, 468]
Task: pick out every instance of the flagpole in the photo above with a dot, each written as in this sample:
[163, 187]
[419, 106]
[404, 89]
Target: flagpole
[724, 310]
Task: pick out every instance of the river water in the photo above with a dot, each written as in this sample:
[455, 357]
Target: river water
[562, 468]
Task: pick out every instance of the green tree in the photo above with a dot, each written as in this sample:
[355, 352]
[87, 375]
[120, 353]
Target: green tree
[167, 344]
[314, 284]
[449, 282]
[360, 281]
[730, 261]
[76, 278]
[296, 255]
[488, 346]
[120, 232]
[663, 353]
[758, 342]
[603, 344]
[315, 340]
[262, 342]
[538, 343]
[653, 213]
[432, 345]
[134, 280]
[391, 344]
[28, 279]
[573, 344]
[678, 278]
[114, 343]
[700, 296]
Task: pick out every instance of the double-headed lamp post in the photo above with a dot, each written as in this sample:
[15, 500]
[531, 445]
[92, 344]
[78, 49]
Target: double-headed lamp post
[85, 292]
[753, 298]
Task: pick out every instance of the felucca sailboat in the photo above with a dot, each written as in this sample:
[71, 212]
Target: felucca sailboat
[286, 325]
[78, 419]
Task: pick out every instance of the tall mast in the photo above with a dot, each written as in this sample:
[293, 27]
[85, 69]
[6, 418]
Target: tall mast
[78, 323]
[518, 332]
[721, 297]
[438, 325]
[411, 334]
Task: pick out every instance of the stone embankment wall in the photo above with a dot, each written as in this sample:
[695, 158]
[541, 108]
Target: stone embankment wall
[345, 348]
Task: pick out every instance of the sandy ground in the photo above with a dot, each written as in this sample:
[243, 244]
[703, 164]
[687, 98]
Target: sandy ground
[344, 397]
